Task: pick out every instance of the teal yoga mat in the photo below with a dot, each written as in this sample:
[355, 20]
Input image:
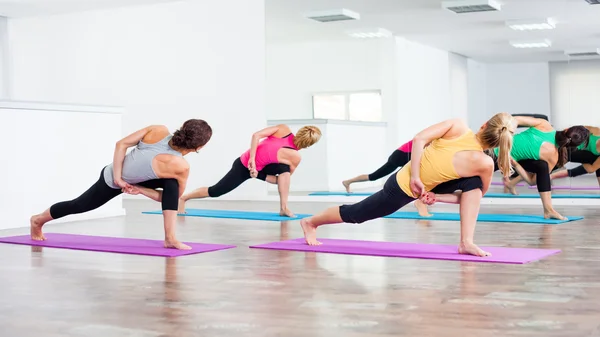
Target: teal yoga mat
[488, 195]
[228, 214]
[517, 218]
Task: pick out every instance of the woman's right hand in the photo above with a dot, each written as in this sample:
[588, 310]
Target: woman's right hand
[417, 187]
[252, 168]
[123, 185]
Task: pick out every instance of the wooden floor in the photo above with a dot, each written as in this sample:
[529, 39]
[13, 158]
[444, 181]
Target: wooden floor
[252, 292]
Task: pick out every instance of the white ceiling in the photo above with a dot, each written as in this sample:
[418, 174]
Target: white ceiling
[482, 36]
[21, 8]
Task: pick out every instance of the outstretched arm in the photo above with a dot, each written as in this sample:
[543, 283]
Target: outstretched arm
[538, 123]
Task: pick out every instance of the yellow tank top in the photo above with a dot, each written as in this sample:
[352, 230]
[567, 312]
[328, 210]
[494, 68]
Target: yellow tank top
[436, 162]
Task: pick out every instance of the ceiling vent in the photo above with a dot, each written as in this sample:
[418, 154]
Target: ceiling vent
[583, 53]
[333, 15]
[593, 2]
[471, 6]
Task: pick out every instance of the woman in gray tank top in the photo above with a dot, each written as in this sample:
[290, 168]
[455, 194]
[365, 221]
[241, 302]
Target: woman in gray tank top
[156, 161]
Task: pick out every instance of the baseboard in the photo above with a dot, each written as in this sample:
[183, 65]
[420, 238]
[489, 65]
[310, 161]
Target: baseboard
[99, 214]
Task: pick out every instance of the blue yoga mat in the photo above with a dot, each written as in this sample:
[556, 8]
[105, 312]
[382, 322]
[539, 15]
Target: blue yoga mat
[488, 195]
[227, 214]
[517, 218]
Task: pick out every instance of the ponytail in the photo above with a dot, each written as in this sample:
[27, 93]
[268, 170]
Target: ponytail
[567, 139]
[504, 147]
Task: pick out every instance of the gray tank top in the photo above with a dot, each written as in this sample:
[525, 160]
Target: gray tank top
[137, 166]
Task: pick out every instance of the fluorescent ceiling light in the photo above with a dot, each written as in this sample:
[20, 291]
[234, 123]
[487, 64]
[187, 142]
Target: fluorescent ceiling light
[594, 52]
[342, 14]
[593, 2]
[369, 33]
[531, 24]
[545, 43]
[471, 6]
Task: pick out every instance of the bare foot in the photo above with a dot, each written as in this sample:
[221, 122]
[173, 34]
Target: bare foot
[287, 212]
[181, 207]
[422, 209]
[553, 215]
[511, 189]
[176, 244]
[346, 185]
[36, 229]
[310, 232]
[472, 249]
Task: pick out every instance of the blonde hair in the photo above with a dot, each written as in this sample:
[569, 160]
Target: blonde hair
[497, 133]
[307, 136]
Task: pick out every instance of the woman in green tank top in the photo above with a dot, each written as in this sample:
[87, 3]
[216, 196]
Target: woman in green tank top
[537, 151]
[587, 154]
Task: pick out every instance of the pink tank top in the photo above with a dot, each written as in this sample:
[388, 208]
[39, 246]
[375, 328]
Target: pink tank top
[266, 151]
[406, 147]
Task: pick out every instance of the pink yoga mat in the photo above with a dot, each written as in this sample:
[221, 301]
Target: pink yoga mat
[412, 250]
[573, 188]
[112, 245]
[499, 183]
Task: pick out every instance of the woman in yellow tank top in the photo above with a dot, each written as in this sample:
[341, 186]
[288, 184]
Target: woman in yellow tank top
[446, 157]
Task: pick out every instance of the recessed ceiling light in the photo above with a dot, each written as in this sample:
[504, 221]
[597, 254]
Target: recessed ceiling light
[532, 24]
[545, 43]
[593, 2]
[471, 6]
[342, 14]
[594, 52]
[369, 33]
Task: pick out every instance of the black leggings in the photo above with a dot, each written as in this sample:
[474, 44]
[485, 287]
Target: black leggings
[542, 173]
[240, 173]
[396, 159]
[100, 193]
[391, 198]
[582, 157]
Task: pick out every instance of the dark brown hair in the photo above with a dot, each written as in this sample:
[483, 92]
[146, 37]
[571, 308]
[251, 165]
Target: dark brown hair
[193, 134]
[570, 138]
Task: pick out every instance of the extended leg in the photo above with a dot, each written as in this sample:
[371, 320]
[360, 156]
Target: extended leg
[96, 196]
[396, 159]
[234, 178]
[382, 203]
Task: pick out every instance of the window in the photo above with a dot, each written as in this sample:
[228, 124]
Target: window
[364, 106]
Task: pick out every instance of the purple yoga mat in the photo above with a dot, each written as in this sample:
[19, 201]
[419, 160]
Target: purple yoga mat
[412, 250]
[573, 188]
[112, 245]
[499, 183]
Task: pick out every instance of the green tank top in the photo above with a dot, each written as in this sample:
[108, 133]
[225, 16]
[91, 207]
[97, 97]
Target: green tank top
[527, 144]
[591, 145]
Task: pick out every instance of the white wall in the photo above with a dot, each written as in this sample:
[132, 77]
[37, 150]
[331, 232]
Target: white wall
[165, 63]
[518, 88]
[575, 88]
[459, 85]
[57, 153]
[296, 71]
[423, 88]
[4, 59]
[477, 94]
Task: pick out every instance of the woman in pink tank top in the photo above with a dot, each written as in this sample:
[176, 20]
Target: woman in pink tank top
[397, 159]
[274, 160]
